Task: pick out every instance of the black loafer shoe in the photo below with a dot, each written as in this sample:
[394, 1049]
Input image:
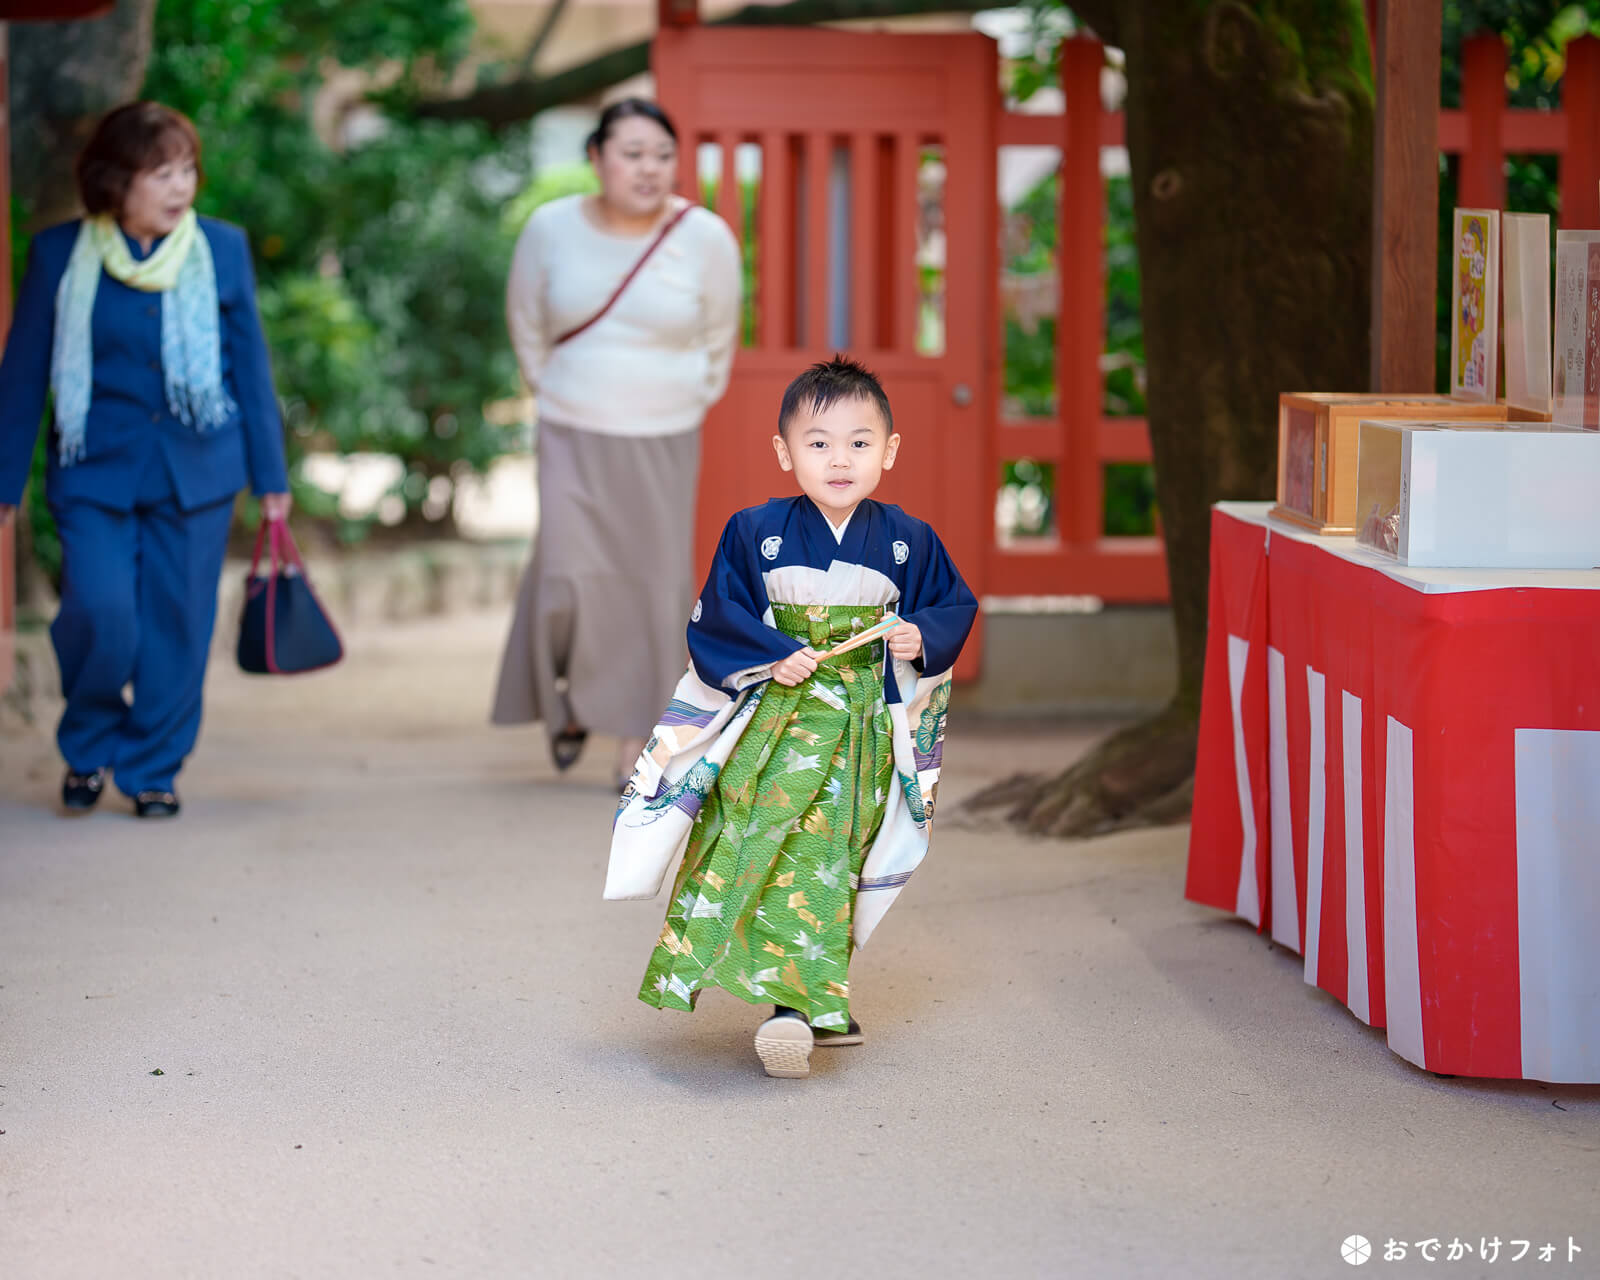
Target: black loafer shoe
[80, 792]
[156, 804]
[567, 746]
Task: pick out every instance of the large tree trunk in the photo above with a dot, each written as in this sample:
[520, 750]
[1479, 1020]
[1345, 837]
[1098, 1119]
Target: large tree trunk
[64, 77]
[1249, 132]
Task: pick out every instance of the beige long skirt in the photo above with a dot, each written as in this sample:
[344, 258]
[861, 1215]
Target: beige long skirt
[598, 633]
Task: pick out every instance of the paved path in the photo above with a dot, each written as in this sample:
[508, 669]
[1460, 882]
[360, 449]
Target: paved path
[396, 1036]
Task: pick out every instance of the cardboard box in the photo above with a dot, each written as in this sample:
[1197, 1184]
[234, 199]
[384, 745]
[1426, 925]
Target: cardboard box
[1318, 438]
[1461, 495]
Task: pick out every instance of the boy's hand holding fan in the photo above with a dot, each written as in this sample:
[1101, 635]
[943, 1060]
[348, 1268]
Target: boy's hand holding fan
[905, 640]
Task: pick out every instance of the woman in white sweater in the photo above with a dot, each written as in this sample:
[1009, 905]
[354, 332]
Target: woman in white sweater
[596, 640]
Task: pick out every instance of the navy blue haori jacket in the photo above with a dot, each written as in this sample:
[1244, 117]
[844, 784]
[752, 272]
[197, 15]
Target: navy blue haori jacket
[787, 551]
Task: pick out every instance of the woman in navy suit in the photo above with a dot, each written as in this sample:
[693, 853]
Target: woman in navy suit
[138, 324]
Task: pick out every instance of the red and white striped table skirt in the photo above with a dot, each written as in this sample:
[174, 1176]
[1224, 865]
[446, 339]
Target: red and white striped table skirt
[1399, 777]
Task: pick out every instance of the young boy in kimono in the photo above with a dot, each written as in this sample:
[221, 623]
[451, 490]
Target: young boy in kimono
[798, 782]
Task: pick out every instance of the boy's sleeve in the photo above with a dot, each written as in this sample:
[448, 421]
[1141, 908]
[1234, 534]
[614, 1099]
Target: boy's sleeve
[731, 644]
[25, 375]
[940, 605]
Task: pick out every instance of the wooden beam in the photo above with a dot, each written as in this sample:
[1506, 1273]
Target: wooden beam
[1405, 194]
[512, 101]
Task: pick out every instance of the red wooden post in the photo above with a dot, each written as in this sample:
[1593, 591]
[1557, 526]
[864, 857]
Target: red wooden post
[775, 244]
[865, 217]
[903, 243]
[815, 292]
[730, 202]
[1580, 163]
[677, 13]
[1080, 321]
[1483, 100]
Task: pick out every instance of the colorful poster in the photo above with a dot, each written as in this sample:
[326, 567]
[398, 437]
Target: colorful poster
[1577, 371]
[1475, 305]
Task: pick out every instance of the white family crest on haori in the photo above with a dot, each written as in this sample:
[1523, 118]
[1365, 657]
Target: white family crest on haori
[699, 609]
[902, 553]
[771, 547]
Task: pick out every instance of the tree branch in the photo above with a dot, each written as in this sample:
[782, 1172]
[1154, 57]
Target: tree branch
[541, 38]
[503, 105]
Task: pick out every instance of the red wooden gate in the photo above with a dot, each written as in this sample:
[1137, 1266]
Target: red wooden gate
[837, 133]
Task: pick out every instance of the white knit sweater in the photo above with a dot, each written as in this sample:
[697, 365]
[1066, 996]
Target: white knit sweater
[661, 357]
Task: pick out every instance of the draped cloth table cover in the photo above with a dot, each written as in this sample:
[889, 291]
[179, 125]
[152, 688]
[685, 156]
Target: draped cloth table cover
[1399, 778]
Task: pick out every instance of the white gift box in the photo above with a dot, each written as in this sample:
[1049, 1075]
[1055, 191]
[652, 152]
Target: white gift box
[1520, 496]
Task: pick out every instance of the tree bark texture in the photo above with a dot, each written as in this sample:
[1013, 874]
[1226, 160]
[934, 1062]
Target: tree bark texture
[1250, 139]
[502, 105]
[64, 77]
[1249, 130]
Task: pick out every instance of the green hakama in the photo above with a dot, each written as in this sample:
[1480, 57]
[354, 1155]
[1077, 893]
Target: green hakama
[764, 899]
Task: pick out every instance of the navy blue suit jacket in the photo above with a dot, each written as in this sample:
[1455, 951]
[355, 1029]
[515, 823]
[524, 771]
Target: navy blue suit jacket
[129, 427]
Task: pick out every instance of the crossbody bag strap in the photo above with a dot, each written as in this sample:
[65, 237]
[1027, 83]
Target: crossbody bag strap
[638, 266]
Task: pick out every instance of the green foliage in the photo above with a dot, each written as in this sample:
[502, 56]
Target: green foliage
[382, 265]
[550, 184]
[1536, 33]
[1030, 362]
[1049, 23]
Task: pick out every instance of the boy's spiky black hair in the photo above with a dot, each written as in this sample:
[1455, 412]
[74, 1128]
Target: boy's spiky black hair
[826, 383]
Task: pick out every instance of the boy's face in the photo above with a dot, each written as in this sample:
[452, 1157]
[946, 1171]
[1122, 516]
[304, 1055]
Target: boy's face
[838, 455]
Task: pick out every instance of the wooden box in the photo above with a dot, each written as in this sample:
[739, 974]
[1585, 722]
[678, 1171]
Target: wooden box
[1523, 413]
[1458, 495]
[1318, 435]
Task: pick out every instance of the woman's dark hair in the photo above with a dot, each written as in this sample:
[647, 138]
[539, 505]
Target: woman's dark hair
[622, 110]
[127, 142]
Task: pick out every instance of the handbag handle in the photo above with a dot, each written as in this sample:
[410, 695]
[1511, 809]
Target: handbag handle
[279, 543]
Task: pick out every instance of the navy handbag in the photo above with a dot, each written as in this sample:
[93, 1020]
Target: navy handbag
[283, 630]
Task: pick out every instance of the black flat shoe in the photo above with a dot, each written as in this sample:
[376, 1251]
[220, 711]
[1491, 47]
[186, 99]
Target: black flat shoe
[80, 792]
[156, 804]
[567, 746]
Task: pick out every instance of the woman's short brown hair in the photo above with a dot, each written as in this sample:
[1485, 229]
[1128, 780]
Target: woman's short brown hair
[129, 141]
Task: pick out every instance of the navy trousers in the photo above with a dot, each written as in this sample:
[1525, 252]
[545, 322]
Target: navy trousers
[138, 603]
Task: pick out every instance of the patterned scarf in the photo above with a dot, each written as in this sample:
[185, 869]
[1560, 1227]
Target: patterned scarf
[191, 338]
